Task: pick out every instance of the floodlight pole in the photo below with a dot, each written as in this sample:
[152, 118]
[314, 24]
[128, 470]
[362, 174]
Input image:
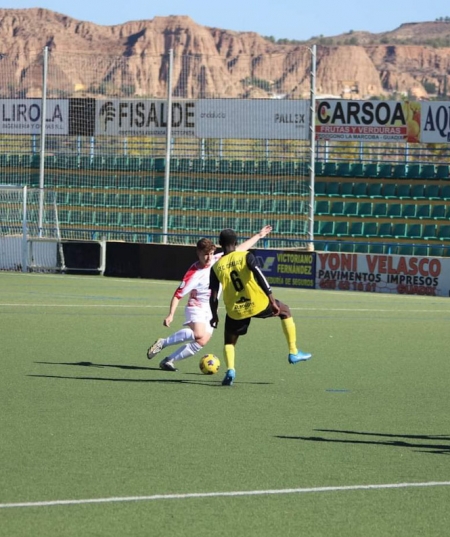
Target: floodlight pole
[42, 149]
[168, 149]
[312, 146]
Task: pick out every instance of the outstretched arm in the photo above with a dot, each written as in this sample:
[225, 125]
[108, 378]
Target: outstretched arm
[253, 240]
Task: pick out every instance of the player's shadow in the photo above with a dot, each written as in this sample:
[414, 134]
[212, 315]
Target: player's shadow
[206, 380]
[418, 443]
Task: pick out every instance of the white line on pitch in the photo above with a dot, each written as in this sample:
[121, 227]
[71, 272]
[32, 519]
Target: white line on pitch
[222, 494]
[148, 306]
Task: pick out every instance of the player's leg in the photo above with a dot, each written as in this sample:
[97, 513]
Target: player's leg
[184, 334]
[290, 333]
[198, 319]
[233, 329]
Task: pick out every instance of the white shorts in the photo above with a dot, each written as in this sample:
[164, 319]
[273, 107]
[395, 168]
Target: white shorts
[194, 314]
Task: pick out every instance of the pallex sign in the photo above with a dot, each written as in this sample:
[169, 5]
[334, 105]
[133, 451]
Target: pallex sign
[398, 274]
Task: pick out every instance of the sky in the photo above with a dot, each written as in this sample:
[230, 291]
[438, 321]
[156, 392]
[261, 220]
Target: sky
[290, 19]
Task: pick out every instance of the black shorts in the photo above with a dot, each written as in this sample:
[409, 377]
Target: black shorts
[239, 327]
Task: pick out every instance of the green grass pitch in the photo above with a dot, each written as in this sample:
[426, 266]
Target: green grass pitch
[96, 440]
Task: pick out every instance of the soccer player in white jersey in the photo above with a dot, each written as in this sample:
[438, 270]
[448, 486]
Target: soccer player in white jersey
[197, 330]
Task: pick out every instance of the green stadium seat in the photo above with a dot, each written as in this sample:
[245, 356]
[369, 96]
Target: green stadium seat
[385, 171]
[148, 201]
[123, 200]
[436, 251]
[333, 189]
[420, 250]
[445, 193]
[444, 232]
[360, 190]
[399, 230]
[427, 171]
[267, 206]
[290, 168]
[62, 198]
[210, 165]
[192, 222]
[341, 228]
[228, 205]
[218, 223]
[281, 206]
[110, 199]
[249, 167]
[380, 210]
[377, 248]
[318, 168]
[159, 202]
[432, 192]
[343, 169]
[126, 219]
[241, 205]
[283, 227]
[223, 166]
[399, 171]
[64, 216]
[329, 169]
[443, 172]
[423, 212]
[337, 208]
[215, 204]
[160, 164]
[405, 249]
[136, 201]
[74, 198]
[370, 229]
[403, 191]
[356, 229]
[414, 231]
[361, 248]
[438, 212]
[394, 210]
[347, 190]
[346, 247]
[87, 198]
[205, 223]
[299, 227]
[175, 202]
[134, 164]
[320, 188]
[154, 220]
[365, 209]
[350, 208]
[389, 190]
[276, 168]
[263, 167]
[413, 171]
[297, 206]
[322, 207]
[356, 169]
[190, 203]
[409, 210]
[374, 190]
[326, 228]
[184, 165]
[140, 220]
[177, 221]
[418, 192]
[371, 170]
[384, 230]
[429, 232]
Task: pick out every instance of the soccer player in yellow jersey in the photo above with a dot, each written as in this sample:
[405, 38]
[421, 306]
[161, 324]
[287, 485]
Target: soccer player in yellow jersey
[246, 294]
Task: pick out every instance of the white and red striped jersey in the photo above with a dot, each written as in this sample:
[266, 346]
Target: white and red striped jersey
[196, 283]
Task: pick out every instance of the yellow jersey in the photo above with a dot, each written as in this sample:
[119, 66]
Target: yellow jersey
[242, 295]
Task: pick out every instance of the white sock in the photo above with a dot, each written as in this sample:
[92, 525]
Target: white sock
[185, 351]
[185, 334]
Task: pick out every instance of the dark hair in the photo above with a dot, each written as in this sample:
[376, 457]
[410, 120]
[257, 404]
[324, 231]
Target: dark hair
[205, 245]
[227, 237]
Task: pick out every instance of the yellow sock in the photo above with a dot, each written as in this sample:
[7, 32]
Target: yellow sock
[290, 333]
[229, 356]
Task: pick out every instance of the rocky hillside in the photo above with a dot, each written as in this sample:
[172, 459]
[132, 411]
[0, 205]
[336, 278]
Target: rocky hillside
[131, 59]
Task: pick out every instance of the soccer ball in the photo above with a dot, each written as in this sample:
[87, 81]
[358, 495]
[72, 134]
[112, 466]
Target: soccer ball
[209, 364]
